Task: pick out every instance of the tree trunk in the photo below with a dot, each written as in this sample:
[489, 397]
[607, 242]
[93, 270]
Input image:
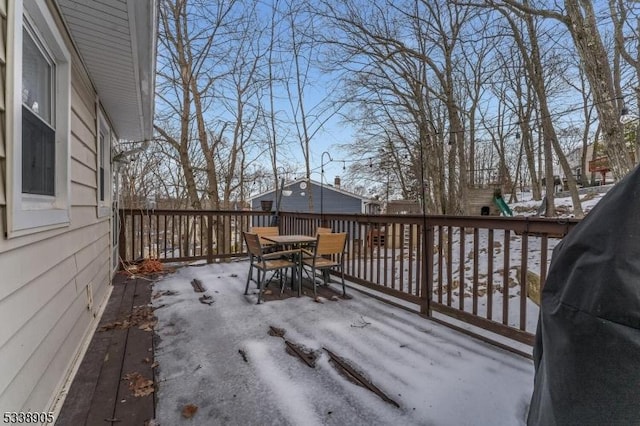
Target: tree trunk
[585, 34]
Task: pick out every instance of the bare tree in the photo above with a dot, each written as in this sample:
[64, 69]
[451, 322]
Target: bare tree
[580, 20]
[311, 103]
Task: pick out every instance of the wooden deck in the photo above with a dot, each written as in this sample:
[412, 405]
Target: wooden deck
[100, 394]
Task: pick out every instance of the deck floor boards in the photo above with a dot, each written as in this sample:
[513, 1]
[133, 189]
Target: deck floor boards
[98, 393]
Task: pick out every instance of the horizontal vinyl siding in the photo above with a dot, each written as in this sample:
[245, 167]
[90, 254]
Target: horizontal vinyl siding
[83, 195]
[23, 305]
[333, 201]
[82, 154]
[37, 317]
[43, 288]
[73, 324]
[38, 367]
[23, 265]
[82, 174]
[26, 340]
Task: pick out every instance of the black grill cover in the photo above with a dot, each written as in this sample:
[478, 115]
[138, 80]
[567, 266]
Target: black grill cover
[587, 349]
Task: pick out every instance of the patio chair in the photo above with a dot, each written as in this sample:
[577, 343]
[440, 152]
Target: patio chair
[265, 262]
[266, 231]
[327, 254]
[319, 230]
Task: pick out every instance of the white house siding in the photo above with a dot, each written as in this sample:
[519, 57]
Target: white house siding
[46, 277]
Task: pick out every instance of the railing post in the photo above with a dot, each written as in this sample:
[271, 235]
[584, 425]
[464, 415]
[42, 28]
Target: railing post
[122, 238]
[210, 238]
[426, 290]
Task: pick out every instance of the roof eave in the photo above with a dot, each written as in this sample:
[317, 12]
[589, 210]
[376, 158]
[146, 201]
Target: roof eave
[126, 87]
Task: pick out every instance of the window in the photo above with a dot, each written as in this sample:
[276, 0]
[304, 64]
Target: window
[38, 121]
[38, 131]
[103, 166]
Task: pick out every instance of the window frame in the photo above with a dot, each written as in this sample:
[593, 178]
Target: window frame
[31, 213]
[32, 114]
[103, 158]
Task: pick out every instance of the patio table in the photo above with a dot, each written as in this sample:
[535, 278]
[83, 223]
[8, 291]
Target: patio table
[293, 241]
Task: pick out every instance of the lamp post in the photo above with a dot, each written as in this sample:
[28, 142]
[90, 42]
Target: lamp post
[322, 164]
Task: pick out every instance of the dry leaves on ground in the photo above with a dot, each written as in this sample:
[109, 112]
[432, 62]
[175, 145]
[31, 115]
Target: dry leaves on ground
[138, 384]
[143, 317]
[189, 410]
[146, 267]
[150, 266]
[140, 316]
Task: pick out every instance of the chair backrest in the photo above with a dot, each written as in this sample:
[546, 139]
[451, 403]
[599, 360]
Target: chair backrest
[320, 230]
[253, 244]
[265, 231]
[333, 243]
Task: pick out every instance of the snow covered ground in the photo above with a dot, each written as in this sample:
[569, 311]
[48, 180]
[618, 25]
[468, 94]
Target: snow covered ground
[221, 359]
[589, 197]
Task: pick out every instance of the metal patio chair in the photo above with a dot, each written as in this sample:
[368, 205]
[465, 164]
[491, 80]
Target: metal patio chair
[327, 254]
[306, 255]
[265, 262]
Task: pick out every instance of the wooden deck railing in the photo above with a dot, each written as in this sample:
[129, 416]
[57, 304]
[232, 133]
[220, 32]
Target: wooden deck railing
[485, 271]
[185, 235]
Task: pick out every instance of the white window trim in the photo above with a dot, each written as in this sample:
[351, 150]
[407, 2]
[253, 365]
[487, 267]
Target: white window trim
[28, 213]
[104, 206]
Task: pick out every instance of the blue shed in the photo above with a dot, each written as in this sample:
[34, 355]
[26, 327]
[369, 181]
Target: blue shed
[331, 198]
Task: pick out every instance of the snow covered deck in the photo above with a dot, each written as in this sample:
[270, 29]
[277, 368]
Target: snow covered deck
[219, 364]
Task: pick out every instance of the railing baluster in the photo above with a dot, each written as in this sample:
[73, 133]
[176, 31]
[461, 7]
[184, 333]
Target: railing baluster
[440, 265]
[505, 278]
[524, 267]
[394, 267]
[149, 227]
[379, 255]
[157, 238]
[427, 291]
[461, 263]
[476, 248]
[122, 239]
[133, 237]
[173, 233]
[209, 238]
[386, 256]
[490, 243]
[164, 237]
[449, 265]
